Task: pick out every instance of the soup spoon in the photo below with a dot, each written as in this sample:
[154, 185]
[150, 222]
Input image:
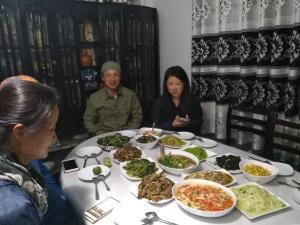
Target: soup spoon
[154, 217]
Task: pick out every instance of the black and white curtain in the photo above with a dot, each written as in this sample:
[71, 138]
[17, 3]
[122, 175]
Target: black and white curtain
[246, 52]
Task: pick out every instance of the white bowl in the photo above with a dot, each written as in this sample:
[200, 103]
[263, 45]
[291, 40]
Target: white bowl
[258, 179]
[199, 212]
[148, 130]
[179, 171]
[145, 146]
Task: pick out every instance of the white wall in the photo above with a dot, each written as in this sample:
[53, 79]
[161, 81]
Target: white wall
[175, 33]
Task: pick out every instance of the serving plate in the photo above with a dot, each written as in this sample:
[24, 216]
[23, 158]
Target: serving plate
[184, 135]
[127, 133]
[88, 151]
[186, 143]
[233, 181]
[209, 153]
[122, 164]
[213, 192]
[213, 163]
[205, 143]
[253, 196]
[134, 189]
[86, 174]
[143, 155]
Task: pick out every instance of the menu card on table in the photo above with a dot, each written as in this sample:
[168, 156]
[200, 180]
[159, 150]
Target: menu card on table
[98, 211]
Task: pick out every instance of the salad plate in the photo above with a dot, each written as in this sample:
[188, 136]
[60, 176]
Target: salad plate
[88, 151]
[86, 174]
[253, 200]
[135, 178]
[213, 163]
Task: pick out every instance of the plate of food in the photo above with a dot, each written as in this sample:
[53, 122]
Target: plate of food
[219, 176]
[171, 141]
[199, 152]
[228, 161]
[89, 172]
[127, 153]
[154, 188]
[193, 196]
[253, 200]
[137, 169]
[110, 142]
[88, 151]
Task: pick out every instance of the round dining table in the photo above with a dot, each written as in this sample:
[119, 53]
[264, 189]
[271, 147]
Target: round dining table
[129, 209]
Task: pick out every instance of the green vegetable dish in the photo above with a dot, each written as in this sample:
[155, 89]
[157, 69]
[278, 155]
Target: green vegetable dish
[140, 168]
[116, 140]
[172, 141]
[176, 161]
[146, 139]
[255, 201]
[200, 153]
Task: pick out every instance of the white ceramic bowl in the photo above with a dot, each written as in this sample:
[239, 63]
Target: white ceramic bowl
[145, 146]
[148, 130]
[179, 171]
[258, 179]
[203, 183]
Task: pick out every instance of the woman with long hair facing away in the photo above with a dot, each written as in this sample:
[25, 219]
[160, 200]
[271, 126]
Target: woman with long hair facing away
[28, 116]
[177, 109]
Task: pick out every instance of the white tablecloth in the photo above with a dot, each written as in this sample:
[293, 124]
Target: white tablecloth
[82, 195]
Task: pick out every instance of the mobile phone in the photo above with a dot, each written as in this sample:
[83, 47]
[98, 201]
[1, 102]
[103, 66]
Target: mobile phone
[69, 165]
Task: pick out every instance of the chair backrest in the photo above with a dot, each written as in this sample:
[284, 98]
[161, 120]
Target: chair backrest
[249, 119]
[285, 136]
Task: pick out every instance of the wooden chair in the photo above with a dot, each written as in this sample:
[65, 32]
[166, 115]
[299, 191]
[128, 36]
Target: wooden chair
[256, 121]
[285, 137]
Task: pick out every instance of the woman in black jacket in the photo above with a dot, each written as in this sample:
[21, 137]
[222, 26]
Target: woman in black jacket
[177, 109]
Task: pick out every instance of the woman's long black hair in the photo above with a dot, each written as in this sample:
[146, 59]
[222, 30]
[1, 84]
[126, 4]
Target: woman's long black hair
[184, 105]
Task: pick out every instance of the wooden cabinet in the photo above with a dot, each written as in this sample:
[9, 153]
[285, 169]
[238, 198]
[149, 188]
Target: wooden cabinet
[63, 43]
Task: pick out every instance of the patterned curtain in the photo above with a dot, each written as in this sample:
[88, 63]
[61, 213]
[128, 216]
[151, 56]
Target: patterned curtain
[246, 52]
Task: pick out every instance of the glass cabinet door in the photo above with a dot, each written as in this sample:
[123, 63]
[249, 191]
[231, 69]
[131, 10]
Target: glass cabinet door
[10, 55]
[41, 53]
[69, 63]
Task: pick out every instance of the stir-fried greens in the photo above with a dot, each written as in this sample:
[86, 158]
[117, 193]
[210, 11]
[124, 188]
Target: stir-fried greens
[199, 152]
[155, 187]
[140, 168]
[228, 162]
[176, 161]
[116, 140]
[146, 139]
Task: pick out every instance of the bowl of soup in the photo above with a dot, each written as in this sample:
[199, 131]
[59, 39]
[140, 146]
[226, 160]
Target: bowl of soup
[177, 161]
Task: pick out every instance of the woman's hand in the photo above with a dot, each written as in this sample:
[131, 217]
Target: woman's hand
[181, 121]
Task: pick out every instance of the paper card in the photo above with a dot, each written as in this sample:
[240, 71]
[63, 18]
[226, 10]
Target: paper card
[101, 209]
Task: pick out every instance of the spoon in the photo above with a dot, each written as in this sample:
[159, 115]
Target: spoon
[154, 217]
[287, 184]
[95, 156]
[85, 159]
[102, 178]
[96, 181]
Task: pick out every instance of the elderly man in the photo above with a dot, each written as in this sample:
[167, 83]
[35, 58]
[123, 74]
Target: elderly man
[113, 107]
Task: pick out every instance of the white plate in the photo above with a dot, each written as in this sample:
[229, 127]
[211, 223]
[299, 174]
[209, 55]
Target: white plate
[284, 169]
[137, 178]
[134, 189]
[262, 214]
[170, 146]
[117, 161]
[87, 174]
[222, 170]
[205, 143]
[127, 133]
[209, 153]
[185, 135]
[212, 162]
[88, 150]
